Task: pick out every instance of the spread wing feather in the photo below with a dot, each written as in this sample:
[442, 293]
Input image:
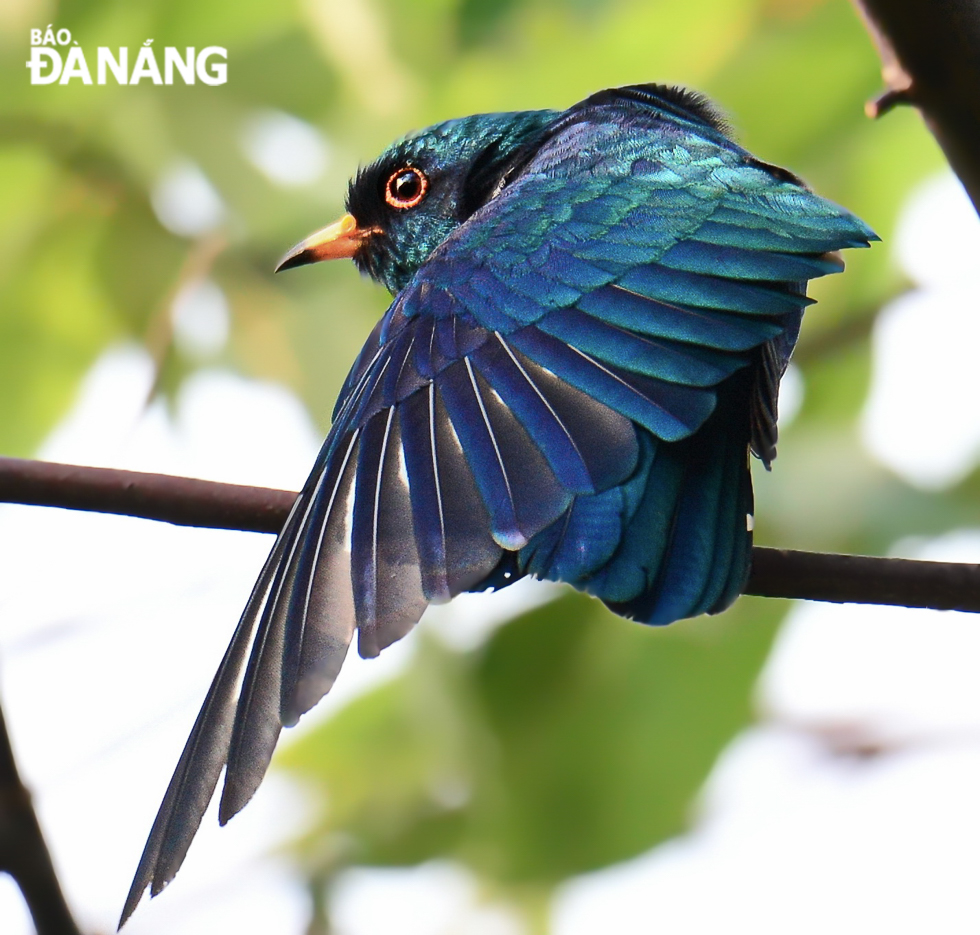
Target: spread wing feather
[388, 590]
[206, 750]
[562, 421]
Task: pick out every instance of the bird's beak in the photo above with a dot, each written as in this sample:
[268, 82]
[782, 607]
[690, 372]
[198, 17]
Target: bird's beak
[340, 239]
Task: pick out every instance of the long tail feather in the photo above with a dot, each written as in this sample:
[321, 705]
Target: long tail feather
[205, 753]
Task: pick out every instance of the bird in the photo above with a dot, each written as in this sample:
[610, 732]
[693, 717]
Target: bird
[592, 311]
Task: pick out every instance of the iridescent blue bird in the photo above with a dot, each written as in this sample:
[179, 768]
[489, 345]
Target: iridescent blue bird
[593, 309]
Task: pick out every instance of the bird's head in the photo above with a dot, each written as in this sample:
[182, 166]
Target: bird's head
[403, 205]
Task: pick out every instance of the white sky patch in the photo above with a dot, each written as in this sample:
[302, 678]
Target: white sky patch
[793, 840]
[288, 151]
[938, 237]
[201, 320]
[921, 417]
[792, 391]
[437, 898]
[185, 201]
[109, 403]
[899, 670]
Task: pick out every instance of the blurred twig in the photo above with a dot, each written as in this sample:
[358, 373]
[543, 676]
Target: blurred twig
[197, 265]
[23, 853]
[930, 54]
[186, 501]
[863, 740]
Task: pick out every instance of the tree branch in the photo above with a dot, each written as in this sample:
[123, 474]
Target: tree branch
[862, 579]
[185, 501]
[23, 853]
[930, 54]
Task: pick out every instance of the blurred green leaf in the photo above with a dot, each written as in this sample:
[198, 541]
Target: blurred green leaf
[573, 739]
[55, 315]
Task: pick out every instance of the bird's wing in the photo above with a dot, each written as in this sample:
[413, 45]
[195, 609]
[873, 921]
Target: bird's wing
[635, 262]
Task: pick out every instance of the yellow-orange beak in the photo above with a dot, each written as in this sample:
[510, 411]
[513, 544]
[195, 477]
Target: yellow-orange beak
[339, 240]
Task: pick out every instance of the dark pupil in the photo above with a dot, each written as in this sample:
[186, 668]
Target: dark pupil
[406, 186]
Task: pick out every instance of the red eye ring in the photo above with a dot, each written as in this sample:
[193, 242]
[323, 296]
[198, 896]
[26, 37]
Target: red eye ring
[406, 187]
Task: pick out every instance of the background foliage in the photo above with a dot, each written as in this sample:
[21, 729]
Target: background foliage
[571, 739]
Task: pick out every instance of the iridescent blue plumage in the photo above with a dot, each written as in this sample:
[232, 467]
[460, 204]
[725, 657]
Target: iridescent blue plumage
[592, 313]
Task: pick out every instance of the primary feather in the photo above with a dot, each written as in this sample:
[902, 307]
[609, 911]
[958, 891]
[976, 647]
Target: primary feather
[592, 313]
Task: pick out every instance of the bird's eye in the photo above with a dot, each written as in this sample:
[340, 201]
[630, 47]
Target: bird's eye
[406, 188]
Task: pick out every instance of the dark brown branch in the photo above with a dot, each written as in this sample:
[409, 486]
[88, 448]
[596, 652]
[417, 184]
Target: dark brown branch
[23, 853]
[185, 501]
[861, 579]
[930, 54]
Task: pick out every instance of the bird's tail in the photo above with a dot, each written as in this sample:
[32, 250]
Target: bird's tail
[675, 539]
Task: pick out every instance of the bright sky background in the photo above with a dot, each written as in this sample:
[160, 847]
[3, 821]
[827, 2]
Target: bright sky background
[921, 417]
[110, 630]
